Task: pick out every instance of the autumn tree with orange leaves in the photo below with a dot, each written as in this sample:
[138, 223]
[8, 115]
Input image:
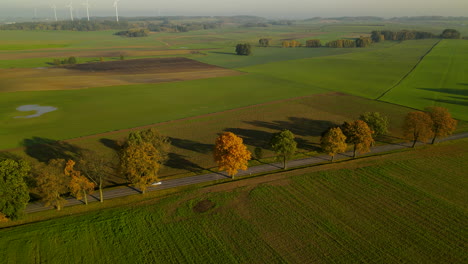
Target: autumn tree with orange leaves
[417, 127]
[359, 134]
[230, 153]
[442, 122]
[333, 142]
[79, 185]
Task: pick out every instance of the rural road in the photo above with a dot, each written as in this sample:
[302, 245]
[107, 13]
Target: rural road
[125, 191]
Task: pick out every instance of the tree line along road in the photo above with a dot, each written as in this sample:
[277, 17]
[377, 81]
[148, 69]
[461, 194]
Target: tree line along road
[265, 168]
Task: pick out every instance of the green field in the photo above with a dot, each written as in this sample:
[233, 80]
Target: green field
[440, 79]
[406, 207]
[367, 73]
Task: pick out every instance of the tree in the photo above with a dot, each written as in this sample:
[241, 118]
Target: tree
[417, 126]
[264, 42]
[52, 183]
[359, 134]
[376, 36]
[450, 34]
[96, 168]
[230, 153]
[442, 122]
[79, 185]
[14, 194]
[243, 49]
[140, 163]
[160, 142]
[294, 43]
[333, 142]
[286, 44]
[71, 60]
[313, 43]
[341, 43]
[376, 122]
[283, 143]
[363, 42]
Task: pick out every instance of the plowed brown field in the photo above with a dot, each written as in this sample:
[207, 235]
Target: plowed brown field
[99, 74]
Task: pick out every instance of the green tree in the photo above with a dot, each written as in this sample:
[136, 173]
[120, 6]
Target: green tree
[363, 42]
[14, 194]
[333, 142]
[417, 126]
[376, 122]
[450, 34]
[359, 134]
[442, 122]
[71, 60]
[264, 42]
[313, 43]
[283, 143]
[243, 49]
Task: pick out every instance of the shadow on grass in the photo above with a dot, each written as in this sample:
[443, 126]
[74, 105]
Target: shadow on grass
[454, 102]
[191, 145]
[44, 149]
[261, 139]
[177, 161]
[252, 137]
[298, 126]
[110, 143]
[224, 53]
[448, 90]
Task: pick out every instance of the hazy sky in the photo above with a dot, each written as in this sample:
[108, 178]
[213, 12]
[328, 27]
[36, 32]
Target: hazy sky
[267, 8]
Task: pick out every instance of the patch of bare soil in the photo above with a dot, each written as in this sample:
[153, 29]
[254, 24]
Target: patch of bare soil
[111, 73]
[203, 206]
[160, 65]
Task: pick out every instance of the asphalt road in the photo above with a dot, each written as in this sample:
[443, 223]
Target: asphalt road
[125, 191]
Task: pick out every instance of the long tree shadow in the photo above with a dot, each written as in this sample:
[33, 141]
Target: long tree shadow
[191, 145]
[177, 161]
[447, 90]
[454, 102]
[297, 125]
[256, 138]
[44, 149]
[110, 143]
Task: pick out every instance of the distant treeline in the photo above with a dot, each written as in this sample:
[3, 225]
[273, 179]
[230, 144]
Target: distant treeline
[378, 36]
[167, 26]
[77, 25]
[133, 33]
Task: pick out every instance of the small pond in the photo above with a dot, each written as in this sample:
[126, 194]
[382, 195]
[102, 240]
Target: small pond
[40, 110]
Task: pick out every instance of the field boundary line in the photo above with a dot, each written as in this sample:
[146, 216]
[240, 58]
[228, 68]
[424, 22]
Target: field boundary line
[410, 71]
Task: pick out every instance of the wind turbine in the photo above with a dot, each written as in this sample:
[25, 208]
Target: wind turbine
[54, 7]
[116, 10]
[71, 9]
[87, 8]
